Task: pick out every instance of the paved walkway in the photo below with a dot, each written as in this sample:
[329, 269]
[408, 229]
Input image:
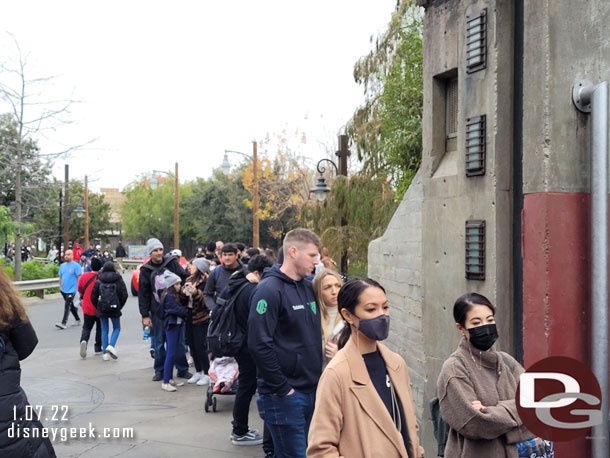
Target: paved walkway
[120, 394]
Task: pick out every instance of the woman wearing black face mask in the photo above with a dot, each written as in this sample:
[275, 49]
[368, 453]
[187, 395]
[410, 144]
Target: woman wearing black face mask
[477, 386]
[364, 406]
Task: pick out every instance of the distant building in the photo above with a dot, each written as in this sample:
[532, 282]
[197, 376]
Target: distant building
[115, 199]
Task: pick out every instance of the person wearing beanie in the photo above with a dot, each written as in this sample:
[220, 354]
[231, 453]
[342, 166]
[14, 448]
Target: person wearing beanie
[197, 318]
[109, 296]
[174, 315]
[85, 287]
[151, 311]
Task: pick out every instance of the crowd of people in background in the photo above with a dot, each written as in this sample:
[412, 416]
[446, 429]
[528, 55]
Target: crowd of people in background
[303, 337]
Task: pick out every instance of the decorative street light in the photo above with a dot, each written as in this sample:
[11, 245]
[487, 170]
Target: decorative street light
[226, 168]
[321, 190]
[154, 183]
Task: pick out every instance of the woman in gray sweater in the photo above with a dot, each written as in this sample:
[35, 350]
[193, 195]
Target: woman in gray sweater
[477, 386]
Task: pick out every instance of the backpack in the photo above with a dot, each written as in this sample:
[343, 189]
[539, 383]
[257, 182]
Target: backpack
[108, 299]
[441, 428]
[224, 336]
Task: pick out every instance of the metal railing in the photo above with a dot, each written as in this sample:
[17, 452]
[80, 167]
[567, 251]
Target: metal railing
[37, 285]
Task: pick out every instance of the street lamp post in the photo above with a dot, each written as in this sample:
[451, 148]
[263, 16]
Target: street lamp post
[226, 168]
[321, 190]
[153, 185]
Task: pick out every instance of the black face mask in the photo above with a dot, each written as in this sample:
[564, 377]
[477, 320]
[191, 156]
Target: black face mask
[483, 337]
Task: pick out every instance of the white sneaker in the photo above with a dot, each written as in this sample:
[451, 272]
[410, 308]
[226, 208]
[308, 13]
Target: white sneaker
[195, 378]
[83, 349]
[110, 349]
[60, 326]
[172, 382]
[76, 323]
[106, 357]
[204, 380]
[167, 387]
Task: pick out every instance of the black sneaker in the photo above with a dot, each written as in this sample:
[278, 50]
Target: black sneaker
[185, 374]
[157, 377]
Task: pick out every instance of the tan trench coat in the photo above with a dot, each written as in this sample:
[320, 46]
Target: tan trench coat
[350, 419]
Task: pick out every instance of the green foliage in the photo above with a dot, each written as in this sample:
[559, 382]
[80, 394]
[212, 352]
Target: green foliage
[217, 210]
[99, 214]
[386, 129]
[367, 207]
[149, 212]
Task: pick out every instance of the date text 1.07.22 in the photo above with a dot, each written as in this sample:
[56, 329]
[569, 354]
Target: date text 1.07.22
[43, 413]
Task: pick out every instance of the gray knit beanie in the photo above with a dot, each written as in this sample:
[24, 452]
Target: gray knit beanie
[170, 278]
[153, 244]
[202, 264]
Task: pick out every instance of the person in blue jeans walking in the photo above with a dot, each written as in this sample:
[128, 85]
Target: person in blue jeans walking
[69, 273]
[150, 307]
[284, 341]
[174, 315]
[109, 295]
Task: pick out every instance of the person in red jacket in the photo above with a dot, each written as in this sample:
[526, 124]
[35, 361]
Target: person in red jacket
[78, 252]
[85, 286]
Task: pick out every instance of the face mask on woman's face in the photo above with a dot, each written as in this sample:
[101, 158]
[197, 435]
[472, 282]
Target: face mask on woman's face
[376, 328]
[483, 337]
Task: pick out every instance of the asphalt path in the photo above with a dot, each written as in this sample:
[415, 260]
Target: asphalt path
[73, 393]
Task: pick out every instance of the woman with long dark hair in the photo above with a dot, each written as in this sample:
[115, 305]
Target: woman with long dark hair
[364, 405]
[17, 342]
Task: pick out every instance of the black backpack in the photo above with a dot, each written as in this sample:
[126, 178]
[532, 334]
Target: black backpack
[224, 336]
[441, 428]
[108, 299]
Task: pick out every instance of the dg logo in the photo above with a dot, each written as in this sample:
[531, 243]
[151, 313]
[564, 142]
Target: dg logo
[559, 399]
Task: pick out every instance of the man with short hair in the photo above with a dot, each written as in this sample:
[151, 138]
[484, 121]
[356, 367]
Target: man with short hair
[85, 286]
[150, 307]
[69, 272]
[120, 254]
[219, 245]
[218, 280]
[210, 253]
[284, 340]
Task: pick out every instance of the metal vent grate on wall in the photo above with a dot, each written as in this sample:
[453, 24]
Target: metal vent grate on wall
[475, 250]
[475, 146]
[476, 41]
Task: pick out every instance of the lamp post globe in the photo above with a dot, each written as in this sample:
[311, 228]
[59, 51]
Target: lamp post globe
[226, 165]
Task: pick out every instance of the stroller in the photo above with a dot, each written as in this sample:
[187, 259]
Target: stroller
[224, 373]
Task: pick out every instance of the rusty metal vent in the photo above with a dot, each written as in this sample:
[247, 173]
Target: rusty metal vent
[475, 146]
[475, 250]
[476, 41]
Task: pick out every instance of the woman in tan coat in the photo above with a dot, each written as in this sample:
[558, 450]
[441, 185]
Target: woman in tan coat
[477, 386]
[364, 407]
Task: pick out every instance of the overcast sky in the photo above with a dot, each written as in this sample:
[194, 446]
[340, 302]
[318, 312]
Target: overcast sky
[160, 82]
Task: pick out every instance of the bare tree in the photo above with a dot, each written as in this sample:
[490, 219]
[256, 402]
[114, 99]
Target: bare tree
[34, 116]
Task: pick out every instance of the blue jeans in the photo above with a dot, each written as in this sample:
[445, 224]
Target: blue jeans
[159, 335]
[288, 419]
[116, 329]
[172, 336]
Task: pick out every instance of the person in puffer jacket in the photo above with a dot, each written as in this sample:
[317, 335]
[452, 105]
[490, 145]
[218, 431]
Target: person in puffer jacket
[17, 341]
[109, 278]
[174, 315]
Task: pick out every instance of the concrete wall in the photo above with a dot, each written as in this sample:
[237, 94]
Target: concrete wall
[395, 261]
[564, 41]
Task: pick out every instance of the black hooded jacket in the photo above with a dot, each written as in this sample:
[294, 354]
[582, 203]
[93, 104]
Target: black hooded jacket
[242, 301]
[17, 342]
[109, 276]
[146, 300]
[284, 334]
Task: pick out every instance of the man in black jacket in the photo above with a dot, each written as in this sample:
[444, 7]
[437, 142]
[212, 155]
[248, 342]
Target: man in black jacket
[120, 254]
[149, 306]
[285, 341]
[219, 279]
[242, 287]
